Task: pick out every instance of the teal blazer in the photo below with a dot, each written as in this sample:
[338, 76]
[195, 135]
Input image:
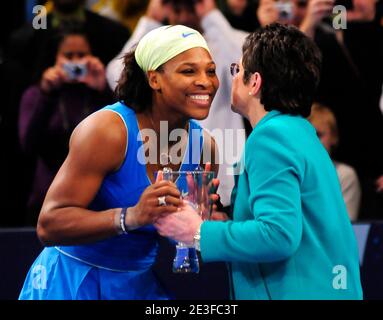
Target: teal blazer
[290, 236]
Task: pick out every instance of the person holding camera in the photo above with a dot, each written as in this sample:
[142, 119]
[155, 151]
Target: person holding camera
[350, 78]
[68, 92]
[305, 14]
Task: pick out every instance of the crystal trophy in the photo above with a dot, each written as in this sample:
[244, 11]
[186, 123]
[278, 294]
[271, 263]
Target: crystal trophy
[195, 187]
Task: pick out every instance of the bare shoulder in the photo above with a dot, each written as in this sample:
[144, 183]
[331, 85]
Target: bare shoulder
[101, 139]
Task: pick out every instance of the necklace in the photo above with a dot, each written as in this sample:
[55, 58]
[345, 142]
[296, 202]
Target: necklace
[151, 121]
[165, 158]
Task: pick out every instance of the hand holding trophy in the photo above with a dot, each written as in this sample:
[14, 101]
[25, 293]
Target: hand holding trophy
[196, 188]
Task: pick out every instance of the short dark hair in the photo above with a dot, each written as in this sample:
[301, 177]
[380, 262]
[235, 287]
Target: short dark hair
[181, 4]
[289, 63]
[47, 57]
[133, 87]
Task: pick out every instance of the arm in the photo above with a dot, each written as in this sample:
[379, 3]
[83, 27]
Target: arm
[316, 11]
[275, 231]
[187, 221]
[97, 147]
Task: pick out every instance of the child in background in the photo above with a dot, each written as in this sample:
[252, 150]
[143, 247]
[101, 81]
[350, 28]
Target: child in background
[325, 124]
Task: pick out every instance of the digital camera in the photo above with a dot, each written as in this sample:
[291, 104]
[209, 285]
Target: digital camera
[285, 10]
[75, 70]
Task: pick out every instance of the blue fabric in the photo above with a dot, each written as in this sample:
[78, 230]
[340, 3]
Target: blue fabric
[290, 237]
[119, 267]
[54, 276]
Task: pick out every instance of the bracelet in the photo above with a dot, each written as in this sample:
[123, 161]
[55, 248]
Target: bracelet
[122, 220]
[197, 239]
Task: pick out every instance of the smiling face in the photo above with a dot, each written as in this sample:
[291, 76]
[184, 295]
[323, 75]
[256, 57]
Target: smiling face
[186, 84]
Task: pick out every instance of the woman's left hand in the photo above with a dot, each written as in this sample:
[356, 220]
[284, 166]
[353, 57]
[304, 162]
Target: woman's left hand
[181, 225]
[95, 78]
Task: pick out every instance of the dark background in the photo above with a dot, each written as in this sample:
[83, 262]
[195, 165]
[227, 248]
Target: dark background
[20, 247]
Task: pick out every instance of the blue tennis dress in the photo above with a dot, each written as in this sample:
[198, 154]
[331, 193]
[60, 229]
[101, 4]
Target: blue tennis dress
[119, 267]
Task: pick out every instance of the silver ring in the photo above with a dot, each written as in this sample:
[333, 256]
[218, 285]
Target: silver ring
[161, 201]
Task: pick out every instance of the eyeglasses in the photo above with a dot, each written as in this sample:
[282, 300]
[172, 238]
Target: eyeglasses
[234, 69]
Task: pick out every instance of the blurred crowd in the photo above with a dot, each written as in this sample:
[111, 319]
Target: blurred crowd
[53, 77]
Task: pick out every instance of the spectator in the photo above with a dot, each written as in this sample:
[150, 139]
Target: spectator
[350, 83]
[50, 110]
[26, 53]
[28, 45]
[379, 184]
[225, 45]
[381, 102]
[364, 40]
[126, 12]
[240, 13]
[325, 124]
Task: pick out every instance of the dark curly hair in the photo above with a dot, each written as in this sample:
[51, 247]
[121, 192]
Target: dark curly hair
[289, 63]
[133, 87]
[178, 4]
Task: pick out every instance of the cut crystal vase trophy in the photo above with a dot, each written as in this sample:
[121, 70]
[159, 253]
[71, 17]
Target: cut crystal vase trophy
[196, 188]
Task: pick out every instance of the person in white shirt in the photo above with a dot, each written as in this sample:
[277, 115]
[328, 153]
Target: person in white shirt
[225, 44]
[325, 124]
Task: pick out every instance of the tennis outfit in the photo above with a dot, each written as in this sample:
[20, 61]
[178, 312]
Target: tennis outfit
[119, 267]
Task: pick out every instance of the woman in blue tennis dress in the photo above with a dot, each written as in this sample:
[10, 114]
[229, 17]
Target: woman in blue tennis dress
[97, 218]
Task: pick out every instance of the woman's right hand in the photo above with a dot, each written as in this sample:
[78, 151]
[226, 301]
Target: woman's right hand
[148, 208]
[316, 11]
[54, 77]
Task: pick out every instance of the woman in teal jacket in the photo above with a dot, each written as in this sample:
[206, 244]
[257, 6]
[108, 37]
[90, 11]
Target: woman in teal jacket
[290, 236]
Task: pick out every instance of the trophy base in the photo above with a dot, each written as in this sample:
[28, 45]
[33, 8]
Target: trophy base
[186, 260]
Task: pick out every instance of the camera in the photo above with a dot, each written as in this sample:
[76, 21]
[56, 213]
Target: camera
[285, 10]
[75, 70]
